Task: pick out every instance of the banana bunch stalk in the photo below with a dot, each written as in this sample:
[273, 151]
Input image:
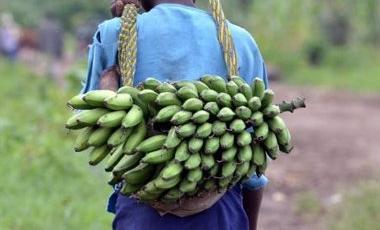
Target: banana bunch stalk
[166, 141]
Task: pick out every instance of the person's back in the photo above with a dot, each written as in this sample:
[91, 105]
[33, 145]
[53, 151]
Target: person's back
[177, 42]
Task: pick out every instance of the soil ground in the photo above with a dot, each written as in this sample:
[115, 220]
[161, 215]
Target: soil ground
[337, 147]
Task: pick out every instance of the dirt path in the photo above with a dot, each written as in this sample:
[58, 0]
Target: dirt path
[337, 145]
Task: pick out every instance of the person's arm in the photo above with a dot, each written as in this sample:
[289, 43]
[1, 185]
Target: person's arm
[252, 202]
[110, 78]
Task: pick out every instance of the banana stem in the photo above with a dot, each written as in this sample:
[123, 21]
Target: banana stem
[297, 103]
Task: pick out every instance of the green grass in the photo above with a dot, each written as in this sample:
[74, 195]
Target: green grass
[44, 184]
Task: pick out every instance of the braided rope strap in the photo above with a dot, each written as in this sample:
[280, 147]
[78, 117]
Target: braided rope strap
[128, 41]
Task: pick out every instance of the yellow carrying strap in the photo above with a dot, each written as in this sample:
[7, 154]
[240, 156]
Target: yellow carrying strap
[128, 41]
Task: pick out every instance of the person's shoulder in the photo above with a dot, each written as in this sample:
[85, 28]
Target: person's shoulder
[242, 36]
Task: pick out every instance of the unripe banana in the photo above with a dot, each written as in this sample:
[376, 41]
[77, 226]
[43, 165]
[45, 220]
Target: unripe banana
[160, 183]
[91, 117]
[130, 189]
[158, 156]
[116, 155]
[99, 137]
[277, 124]
[151, 144]
[237, 126]
[98, 154]
[152, 189]
[212, 145]
[74, 124]
[77, 102]
[286, 148]
[167, 99]
[195, 145]
[284, 137]
[97, 97]
[272, 111]
[212, 108]
[204, 131]
[186, 93]
[173, 169]
[228, 168]
[244, 139]
[172, 140]
[166, 87]
[261, 133]
[242, 170]
[181, 84]
[200, 117]
[186, 186]
[226, 114]
[224, 100]
[243, 113]
[207, 79]
[127, 163]
[182, 152]
[137, 136]
[239, 100]
[151, 83]
[148, 96]
[200, 86]
[112, 119]
[238, 80]
[251, 172]
[271, 146]
[173, 195]
[195, 175]
[232, 88]
[225, 182]
[262, 168]
[208, 161]
[81, 142]
[246, 90]
[267, 98]
[245, 154]
[257, 119]
[139, 175]
[209, 95]
[119, 136]
[181, 117]
[219, 128]
[193, 105]
[119, 102]
[259, 156]
[144, 196]
[227, 140]
[254, 104]
[136, 99]
[216, 83]
[186, 130]
[167, 113]
[114, 180]
[214, 170]
[193, 162]
[258, 87]
[210, 185]
[229, 154]
[134, 117]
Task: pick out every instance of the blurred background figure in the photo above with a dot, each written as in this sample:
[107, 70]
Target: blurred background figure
[9, 36]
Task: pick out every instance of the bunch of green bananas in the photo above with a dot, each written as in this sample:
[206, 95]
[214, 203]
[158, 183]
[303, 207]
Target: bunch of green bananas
[203, 141]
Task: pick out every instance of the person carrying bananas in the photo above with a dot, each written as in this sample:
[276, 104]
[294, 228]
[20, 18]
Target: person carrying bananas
[177, 41]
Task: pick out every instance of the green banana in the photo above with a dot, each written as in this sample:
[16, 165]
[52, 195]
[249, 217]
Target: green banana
[225, 182]
[130, 189]
[173, 169]
[167, 99]
[242, 170]
[232, 88]
[262, 168]
[151, 144]
[133, 92]
[152, 189]
[246, 90]
[181, 117]
[208, 161]
[243, 112]
[200, 86]
[182, 152]
[99, 137]
[151, 83]
[172, 140]
[98, 154]
[119, 102]
[186, 186]
[207, 78]
[91, 117]
[227, 140]
[114, 180]
[212, 145]
[195, 145]
[134, 117]
[286, 148]
[186, 130]
[237, 126]
[195, 175]
[77, 102]
[148, 96]
[244, 139]
[226, 114]
[160, 183]
[224, 100]
[259, 156]
[112, 119]
[272, 111]
[119, 136]
[215, 82]
[214, 170]
[116, 155]
[251, 172]
[257, 119]
[209, 185]
[261, 133]
[81, 142]
[229, 154]
[204, 131]
[173, 195]
[193, 162]
[127, 163]
[200, 117]
[245, 154]
[137, 136]
[254, 104]
[239, 100]
[209, 95]
[237, 80]
[267, 98]
[158, 156]
[166, 87]
[167, 113]
[228, 168]
[186, 93]
[212, 108]
[284, 138]
[181, 84]
[193, 105]
[146, 196]
[140, 174]
[271, 146]
[277, 124]
[74, 124]
[258, 88]
[97, 97]
[219, 128]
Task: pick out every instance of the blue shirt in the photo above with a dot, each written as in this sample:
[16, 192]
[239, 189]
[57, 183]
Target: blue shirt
[177, 42]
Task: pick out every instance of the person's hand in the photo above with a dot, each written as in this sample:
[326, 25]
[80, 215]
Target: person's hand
[117, 6]
[110, 78]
